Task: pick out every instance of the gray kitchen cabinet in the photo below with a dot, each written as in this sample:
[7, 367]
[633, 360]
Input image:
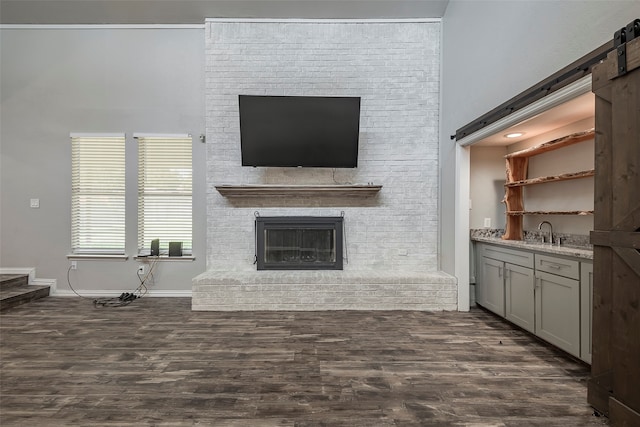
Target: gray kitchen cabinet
[501, 268]
[557, 301]
[512, 256]
[559, 266]
[519, 296]
[478, 288]
[546, 294]
[492, 293]
[586, 309]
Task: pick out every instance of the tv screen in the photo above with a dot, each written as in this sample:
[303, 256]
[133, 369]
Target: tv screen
[293, 131]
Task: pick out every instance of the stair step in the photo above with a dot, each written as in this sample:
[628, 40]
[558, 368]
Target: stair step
[15, 291]
[12, 280]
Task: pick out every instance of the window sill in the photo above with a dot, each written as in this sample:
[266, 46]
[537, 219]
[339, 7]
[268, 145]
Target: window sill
[124, 257]
[163, 258]
[98, 257]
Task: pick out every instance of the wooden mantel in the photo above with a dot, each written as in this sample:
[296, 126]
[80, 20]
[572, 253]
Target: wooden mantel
[269, 190]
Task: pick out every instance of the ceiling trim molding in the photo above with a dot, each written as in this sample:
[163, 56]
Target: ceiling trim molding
[213, 20]
[328, 20]
[567, 93]
[101, 26]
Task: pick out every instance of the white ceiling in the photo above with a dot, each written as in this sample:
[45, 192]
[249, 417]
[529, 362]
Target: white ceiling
[196, 11]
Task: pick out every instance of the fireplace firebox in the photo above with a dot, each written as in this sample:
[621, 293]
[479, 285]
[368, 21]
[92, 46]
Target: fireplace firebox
[299, 243]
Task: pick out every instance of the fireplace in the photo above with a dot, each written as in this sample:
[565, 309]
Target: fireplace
[390, 239]
[299, 243]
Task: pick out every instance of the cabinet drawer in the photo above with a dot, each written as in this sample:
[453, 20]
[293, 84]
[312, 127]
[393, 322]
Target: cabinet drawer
[560, 266]
[512, 256]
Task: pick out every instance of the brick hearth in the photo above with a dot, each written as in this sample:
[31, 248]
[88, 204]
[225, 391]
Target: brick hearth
[323, 290]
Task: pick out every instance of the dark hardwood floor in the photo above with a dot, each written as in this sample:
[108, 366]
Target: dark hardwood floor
[64, 362]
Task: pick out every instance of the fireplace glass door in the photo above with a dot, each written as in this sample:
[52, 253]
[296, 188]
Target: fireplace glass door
[299, 243]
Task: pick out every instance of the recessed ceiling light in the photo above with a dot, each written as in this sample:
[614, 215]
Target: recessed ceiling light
[514, 135]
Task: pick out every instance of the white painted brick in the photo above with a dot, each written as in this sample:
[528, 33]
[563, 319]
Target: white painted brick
[395, 68]
[328, 290]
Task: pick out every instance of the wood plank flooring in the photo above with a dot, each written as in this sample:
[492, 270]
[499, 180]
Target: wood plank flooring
[64, 362]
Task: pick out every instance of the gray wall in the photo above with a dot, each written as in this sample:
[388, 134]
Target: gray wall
[57, 81]
[487, 177]
[493, 50]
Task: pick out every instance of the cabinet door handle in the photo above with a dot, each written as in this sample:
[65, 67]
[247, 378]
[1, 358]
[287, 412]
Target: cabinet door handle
[553, 265]
[499, 272]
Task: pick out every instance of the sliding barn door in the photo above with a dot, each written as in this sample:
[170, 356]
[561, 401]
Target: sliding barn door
[614, 387]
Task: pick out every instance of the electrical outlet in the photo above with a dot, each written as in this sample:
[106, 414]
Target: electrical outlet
[74, 265]
[487, 223]
[141, 269]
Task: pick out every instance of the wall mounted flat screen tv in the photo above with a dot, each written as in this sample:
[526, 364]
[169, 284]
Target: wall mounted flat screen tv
[299, 131]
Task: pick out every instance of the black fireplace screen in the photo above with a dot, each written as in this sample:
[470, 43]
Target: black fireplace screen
[299, 243]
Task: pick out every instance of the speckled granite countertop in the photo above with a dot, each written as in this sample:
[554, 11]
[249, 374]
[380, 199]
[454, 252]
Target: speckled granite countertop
[572, 250]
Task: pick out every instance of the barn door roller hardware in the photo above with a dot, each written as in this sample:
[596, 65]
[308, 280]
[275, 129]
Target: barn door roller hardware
[620, 39]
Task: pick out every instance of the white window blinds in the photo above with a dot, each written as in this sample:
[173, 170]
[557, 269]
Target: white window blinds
[164, 191]
[98, 193]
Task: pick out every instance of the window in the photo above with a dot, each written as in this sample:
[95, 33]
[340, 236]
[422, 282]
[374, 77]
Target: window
[164, 191]
[98, 193]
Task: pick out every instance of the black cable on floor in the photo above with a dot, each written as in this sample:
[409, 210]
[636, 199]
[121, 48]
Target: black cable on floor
[125, 298]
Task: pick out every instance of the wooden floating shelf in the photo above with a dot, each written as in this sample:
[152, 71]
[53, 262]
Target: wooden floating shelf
[298, 190]
[565, 141]
[520, 213]
[517, 165]
[543, 179]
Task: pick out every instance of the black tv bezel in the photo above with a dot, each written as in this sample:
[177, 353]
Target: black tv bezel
[355, 143]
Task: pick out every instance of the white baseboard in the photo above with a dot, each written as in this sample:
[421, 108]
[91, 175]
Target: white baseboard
[104, 293]
[54, 291]
[51, 283]
[33, 280]
[30, 271]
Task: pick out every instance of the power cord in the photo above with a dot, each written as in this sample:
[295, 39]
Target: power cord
[71, 287]
[125, 298]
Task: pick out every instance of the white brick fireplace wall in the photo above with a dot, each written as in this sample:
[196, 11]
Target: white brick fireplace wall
[391, 238]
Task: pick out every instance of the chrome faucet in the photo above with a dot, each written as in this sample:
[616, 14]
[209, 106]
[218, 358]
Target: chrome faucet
[550, 231]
